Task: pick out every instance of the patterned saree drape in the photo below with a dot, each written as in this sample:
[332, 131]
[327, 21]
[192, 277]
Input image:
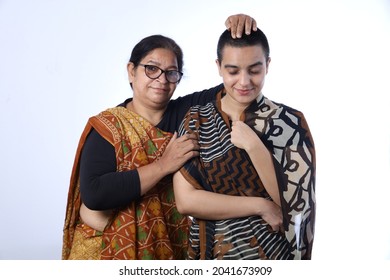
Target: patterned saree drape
[223, 168]
[150, 228]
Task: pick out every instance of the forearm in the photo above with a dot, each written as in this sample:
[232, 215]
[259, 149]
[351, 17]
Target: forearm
[263, 163]
[213, 206]
[109, 191]
[207, 205]
[150, 175]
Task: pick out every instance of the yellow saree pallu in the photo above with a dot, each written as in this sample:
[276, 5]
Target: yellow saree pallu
[150, 228]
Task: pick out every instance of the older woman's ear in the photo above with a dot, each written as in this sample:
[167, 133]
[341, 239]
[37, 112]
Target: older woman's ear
[130, 71]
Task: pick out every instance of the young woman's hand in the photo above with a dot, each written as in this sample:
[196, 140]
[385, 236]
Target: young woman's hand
[243, 137]
[272, 214]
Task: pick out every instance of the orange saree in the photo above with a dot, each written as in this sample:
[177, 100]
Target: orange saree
[150, 228]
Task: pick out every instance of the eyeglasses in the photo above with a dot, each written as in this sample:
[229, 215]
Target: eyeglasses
[153, 72]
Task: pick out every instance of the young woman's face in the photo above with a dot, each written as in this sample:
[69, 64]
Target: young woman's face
[243, 70]
[153, 93]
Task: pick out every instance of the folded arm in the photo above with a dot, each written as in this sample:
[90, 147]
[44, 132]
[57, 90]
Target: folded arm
[207, 205]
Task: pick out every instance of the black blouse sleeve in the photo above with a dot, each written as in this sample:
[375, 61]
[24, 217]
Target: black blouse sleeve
[101, 186]
[197, 98]
[177, 108]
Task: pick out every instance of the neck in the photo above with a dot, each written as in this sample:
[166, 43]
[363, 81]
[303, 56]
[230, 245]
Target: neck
[154, 116]
[232, 108]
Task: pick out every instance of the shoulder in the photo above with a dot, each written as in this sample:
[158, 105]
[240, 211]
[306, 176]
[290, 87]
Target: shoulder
[108, 123]
[202, 109]
[281, 106]
[198, 97]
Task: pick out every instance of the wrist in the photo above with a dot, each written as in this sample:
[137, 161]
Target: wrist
[259, 206]
[253, 145]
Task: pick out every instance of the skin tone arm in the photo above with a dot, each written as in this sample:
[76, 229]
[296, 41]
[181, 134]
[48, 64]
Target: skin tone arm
[178, 151]
[213, 206]
[242, 136]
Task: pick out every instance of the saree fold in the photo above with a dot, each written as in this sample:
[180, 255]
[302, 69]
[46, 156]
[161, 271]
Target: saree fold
[224, 168]
[150, 228]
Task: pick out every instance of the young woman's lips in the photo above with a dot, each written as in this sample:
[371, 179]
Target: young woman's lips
[243, 91]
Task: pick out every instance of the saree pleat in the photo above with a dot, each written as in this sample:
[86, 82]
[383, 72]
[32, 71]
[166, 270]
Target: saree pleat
[224, 168]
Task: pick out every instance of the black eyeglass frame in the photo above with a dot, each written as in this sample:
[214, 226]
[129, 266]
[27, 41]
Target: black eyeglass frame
[162, 72]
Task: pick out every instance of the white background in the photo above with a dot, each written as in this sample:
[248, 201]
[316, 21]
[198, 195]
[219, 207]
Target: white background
[64, 61]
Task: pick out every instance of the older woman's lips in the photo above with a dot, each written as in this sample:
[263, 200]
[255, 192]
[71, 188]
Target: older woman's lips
[161, 90]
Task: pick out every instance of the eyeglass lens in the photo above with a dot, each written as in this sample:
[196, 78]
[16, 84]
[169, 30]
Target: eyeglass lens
[153, 72]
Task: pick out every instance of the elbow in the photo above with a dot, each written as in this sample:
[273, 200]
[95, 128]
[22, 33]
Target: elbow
[183, 207]
[90, 203]
[184, 194]
[92, 195]
[90, 199]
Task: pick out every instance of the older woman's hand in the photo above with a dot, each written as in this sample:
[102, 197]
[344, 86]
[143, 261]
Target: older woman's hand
[239, 23]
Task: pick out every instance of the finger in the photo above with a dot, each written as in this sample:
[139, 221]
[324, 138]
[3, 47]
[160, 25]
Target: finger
[190, 145]
[274, 228]
[184, 138]
[240, 26]
[174, 137]
[233, 29]
[254, 25]
[248, 25]
[192, 136]
[228, 23]
[188, 138]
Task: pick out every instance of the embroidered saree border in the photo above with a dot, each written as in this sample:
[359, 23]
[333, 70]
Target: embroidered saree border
[150, 228]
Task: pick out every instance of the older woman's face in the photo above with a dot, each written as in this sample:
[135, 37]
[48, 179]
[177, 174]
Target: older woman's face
[154, 93]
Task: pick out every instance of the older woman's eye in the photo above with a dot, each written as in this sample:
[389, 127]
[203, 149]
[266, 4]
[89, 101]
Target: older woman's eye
[152, 68]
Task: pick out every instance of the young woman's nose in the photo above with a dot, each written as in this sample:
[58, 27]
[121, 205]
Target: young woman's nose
[244, 78]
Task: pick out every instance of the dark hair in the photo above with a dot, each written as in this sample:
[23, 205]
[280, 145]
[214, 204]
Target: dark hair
[148, 44]
[255, 38]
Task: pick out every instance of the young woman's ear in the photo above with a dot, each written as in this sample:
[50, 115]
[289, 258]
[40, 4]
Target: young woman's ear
[219, 67]
[267, 64]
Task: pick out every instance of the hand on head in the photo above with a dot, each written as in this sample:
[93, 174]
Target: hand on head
[239, 23]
